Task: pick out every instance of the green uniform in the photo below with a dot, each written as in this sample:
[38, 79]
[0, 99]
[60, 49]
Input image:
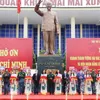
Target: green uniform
[50, 83]
[94, 76]
[21, 77]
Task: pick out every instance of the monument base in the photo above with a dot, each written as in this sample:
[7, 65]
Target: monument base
[49, 62]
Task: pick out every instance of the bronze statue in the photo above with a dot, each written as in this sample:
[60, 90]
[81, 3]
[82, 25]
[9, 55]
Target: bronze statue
[49, 26]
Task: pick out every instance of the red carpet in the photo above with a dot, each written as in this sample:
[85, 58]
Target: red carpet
[49, 97]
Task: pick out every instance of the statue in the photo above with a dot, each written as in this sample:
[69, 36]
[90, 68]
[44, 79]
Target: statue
[50, 26]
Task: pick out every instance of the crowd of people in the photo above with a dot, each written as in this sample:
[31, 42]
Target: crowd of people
[71, 82]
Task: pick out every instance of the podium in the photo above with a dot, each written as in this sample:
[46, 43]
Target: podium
[58, 85]
[43, 82]
[88, 85]
[13, 84]
[28, 85]
[72, 86]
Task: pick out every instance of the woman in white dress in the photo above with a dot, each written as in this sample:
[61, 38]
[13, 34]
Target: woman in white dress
[13, 83]
[43, 82]
[73, 79]
[28, 83]
[58, 83]
[98, 83]
[2, 69]
[1, 83]
[88, 85]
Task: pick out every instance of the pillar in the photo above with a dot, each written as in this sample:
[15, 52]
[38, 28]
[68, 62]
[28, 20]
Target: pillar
[38, 40]
[73, 27]
[25, 27]
[17, 31]
[81, 33]
[60, 38]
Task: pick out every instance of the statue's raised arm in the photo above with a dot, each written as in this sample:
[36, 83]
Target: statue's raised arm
[36, 9]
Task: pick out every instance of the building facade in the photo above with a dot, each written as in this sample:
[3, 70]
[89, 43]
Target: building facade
[76, 19]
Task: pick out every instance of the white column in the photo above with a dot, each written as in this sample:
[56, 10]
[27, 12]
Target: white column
[60, 38]
[81, 30]
[38, 40]
[25, 27]
[17, 29]
[73, 27]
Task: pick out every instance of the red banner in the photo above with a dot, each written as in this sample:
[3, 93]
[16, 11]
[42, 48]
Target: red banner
[16, 52]
[83, 52]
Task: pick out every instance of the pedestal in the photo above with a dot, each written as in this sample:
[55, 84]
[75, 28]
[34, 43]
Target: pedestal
[49, 62]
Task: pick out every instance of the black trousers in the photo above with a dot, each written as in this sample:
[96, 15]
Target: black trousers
[36, 88]
[65, 87]
[6, 88]
[78, 86]
[21, 87]
[51, 87]
[93, 88]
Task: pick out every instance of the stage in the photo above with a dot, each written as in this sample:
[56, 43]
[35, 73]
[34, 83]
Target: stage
[49, 97]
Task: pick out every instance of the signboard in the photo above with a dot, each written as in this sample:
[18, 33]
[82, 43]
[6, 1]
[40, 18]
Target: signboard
[50, 62]
[56, 3]
[84, 52]
[15, 52]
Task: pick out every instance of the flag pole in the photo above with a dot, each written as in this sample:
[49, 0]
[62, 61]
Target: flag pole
[18, 23]
[18, 11]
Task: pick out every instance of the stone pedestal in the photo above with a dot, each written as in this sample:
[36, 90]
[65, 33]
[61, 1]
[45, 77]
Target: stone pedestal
[49, 62]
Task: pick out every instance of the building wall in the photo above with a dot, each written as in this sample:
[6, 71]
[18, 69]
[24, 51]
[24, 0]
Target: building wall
[88, 31]
[8, 31]
[91, 31]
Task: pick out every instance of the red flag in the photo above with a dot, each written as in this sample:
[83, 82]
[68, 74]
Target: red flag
[18, 6]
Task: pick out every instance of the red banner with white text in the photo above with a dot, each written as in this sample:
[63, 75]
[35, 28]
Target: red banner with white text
[16, 52]
[83, 53]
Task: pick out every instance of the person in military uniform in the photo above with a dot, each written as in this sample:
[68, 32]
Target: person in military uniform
[6, 80]
[21, 81]
[94, 77]
[50, 82]
[65, 82]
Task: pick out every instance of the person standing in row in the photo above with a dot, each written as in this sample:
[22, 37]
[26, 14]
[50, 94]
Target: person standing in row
[21, 81]
[58, 83]
[36, 79]
[50, 82]
[94, 80]
[65, 82]
[43, 82]
[81, 78]
[6, 80]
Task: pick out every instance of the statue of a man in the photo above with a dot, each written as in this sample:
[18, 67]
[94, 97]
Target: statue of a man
[49, 27]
